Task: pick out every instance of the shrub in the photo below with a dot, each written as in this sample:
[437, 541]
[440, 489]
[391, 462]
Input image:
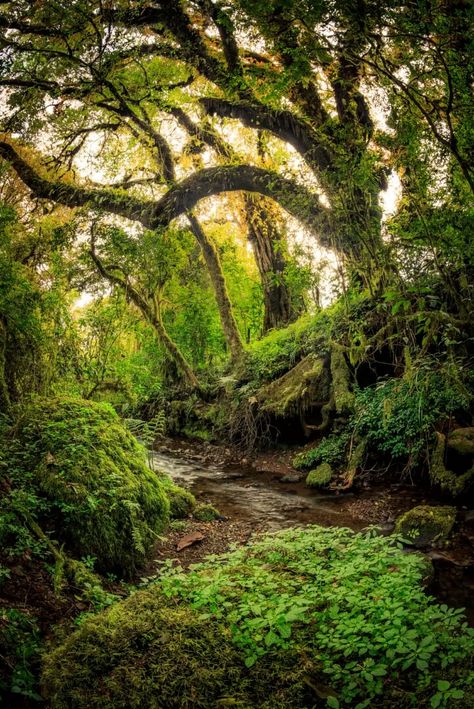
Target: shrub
[74, 466]
[331, 450]
[320, 617]
[399, 416]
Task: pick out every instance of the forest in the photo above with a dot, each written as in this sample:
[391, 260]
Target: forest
[236, 348]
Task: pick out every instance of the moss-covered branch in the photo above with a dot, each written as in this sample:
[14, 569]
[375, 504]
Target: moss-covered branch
[294, 198]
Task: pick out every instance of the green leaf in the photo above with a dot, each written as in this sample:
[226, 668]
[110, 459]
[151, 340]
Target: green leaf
[443, 685]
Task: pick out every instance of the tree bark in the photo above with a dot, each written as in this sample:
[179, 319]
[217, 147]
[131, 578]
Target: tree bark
[266, 242]
[214, 267]
[293, 197]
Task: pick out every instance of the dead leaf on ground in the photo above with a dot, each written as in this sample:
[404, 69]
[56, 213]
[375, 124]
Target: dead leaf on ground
[189, 539]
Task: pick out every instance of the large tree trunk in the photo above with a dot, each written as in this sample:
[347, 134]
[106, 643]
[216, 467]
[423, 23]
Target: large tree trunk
[211, 257]
[265, 238]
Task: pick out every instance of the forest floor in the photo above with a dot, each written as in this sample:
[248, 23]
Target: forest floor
[368, 505]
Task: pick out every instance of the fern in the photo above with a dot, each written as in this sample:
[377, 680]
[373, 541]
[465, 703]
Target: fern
[136, 524]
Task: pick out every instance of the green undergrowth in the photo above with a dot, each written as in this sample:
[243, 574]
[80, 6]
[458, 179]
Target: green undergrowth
[330, 450]
[399, 416]
[278, 351]
[72, 468]
[302, 618]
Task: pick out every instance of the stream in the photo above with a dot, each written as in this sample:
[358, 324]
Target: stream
[239, 492]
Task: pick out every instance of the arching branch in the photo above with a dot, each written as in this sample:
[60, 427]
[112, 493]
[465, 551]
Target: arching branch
[74, 196]
[293, 197]
[283, 124]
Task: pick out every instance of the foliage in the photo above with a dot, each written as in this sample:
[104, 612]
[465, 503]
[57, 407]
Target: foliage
[331, 450]
[398, 416]
[82, 472]
[345, 611]
[278, 351]
[20, 650]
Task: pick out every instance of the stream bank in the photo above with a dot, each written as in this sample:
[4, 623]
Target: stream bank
[264, 493]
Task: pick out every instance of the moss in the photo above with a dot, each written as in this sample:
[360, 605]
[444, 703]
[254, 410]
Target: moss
[198, 433]
[142, 653]
[344, 398]
[166, 646]
[206, 513]
[441, 476]
[355, 462]
[461, 440]
[182, 502]
[91, 473]
[425, 525]
[320, 476]
[295, 390]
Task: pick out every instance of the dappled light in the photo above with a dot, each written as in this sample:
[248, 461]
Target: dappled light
[236, 348]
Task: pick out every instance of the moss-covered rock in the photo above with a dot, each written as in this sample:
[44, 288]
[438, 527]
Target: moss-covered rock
[206, 513]
[320, 476]
[297, 389]
[440, 475]
[99, 497]
[425, 525]
[461, 440]
[182, 502]
[142, 653]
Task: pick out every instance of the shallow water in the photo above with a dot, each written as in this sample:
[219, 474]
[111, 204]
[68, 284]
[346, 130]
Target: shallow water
[240, 492]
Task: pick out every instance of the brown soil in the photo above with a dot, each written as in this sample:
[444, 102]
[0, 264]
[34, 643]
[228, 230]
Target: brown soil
[219, 536]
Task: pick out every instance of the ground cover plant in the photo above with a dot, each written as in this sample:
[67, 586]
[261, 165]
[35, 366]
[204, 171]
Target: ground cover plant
[349, 610]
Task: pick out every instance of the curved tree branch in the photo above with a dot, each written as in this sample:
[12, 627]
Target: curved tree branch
[293, 197]
[284, 124]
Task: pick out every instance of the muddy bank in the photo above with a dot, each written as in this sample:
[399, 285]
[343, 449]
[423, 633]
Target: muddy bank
[256, 495]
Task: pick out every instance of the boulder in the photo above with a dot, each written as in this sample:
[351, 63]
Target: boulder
[424, 525]
[461, 440]
[320, 476]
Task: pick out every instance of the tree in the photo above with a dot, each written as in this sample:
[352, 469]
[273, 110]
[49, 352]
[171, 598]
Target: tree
[132, 73]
